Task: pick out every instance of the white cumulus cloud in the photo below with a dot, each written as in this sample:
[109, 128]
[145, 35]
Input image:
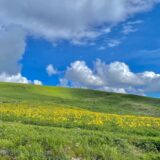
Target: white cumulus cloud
[37, 82]
[17, 78]
[73, 20]
[51, 70]
[113, 77]
[79, 72]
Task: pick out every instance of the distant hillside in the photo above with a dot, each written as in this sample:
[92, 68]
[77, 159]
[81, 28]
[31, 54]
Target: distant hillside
[88, 99]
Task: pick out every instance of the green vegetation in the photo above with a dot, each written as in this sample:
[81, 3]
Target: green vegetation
[53, 123]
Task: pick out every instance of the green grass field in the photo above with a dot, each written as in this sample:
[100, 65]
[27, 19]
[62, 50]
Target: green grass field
[54, 123]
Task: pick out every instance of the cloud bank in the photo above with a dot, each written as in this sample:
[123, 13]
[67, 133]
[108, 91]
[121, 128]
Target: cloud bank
[69, 19]
[76, 21]
[17, 78]
[113, 77]
[12, 46]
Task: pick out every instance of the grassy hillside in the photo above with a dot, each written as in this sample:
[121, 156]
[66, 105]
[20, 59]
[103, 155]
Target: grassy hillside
[87, 99]
[53, 123]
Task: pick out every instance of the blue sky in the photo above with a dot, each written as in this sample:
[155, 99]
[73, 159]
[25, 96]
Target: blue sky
[113, 53]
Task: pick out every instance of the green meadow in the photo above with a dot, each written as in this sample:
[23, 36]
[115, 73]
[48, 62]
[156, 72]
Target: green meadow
[55, 123]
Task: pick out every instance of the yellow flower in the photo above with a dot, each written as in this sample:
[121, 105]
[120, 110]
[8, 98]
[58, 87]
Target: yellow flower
[62, 115]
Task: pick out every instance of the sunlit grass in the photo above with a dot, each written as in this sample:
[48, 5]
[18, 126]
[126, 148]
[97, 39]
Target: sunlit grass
[52, 123]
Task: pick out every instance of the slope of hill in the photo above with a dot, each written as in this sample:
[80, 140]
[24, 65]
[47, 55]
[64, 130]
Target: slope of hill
[51, 123]
[87, 99]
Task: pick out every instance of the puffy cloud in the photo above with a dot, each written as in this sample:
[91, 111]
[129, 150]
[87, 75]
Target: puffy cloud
[17, 78]
[63, 82]
[78, 19]
[151, 81]
[113, 77]
[73, 20]
[12, 46]
[37, 82]
[51, 70]
[79, 72]
[112, 89]
[116, 73]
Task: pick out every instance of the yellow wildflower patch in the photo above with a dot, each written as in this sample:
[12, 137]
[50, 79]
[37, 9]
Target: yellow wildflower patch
[74, 116]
